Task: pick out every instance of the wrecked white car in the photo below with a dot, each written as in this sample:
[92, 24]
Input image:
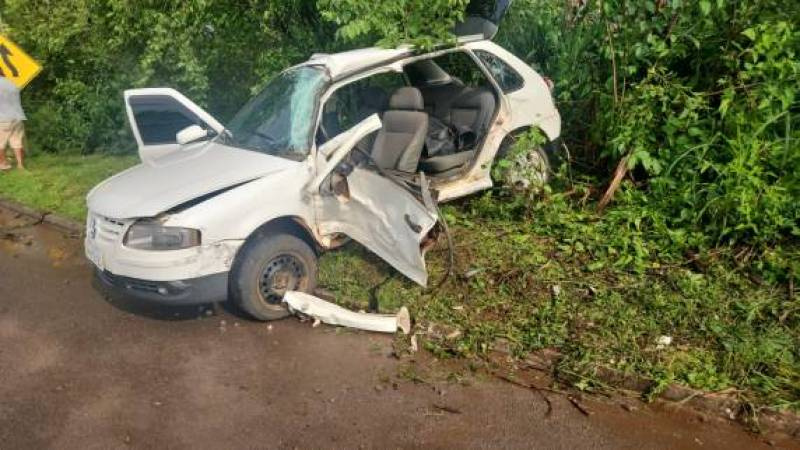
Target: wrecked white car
[357, 145]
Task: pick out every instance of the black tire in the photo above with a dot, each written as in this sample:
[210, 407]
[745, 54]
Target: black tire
[268, 265]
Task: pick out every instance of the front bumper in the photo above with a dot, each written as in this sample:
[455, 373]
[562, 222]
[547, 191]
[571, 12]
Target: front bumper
[206, 289]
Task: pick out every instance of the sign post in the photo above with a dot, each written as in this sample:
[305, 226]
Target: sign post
[15, 64]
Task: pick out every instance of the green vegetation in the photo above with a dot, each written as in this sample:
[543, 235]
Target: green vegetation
[544, 281]
[423, 23]
[694, 105]
[59, 183]
[687, 109]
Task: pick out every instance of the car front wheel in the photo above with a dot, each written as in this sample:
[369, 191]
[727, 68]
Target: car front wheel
[266, 268]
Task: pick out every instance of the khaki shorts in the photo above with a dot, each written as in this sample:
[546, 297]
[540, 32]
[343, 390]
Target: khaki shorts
[11, 134]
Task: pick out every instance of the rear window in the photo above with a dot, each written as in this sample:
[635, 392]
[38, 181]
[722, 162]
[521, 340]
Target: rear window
[507, 78]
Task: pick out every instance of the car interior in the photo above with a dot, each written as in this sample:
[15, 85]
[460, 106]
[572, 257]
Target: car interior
[435, 115]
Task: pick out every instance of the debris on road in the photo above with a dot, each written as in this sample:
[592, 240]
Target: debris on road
[578, 405]
[532, 387]
[324, 311]
[447, 409]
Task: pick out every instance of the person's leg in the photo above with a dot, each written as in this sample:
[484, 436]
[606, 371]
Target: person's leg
[17, 137]
[5, 133]
[19, 153]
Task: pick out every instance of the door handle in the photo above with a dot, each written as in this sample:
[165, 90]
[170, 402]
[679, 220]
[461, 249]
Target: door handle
[415, 227]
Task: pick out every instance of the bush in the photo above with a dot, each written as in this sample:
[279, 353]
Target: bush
[217, 52]
[698, 100]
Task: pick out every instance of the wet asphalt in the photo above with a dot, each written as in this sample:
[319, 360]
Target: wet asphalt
[78, 370]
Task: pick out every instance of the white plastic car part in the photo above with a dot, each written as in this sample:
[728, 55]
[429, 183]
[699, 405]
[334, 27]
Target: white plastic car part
[336, 315]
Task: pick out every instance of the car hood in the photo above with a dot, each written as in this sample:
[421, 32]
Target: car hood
[149, 189]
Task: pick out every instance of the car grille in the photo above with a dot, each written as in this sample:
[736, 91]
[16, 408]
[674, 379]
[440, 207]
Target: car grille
[106, 229]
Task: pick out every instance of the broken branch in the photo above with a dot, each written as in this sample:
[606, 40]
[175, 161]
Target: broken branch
[619, 174]
[447, 409]
[577, 404]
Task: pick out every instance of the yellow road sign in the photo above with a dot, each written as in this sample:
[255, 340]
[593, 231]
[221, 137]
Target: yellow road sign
[15, 64]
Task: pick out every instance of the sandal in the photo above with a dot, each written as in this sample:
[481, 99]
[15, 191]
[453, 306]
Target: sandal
[6, 166]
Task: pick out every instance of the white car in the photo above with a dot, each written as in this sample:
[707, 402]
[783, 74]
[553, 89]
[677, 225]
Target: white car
[357, 145]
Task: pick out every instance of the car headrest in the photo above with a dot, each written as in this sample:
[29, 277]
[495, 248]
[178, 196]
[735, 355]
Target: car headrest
[407, 98]
[475, 98]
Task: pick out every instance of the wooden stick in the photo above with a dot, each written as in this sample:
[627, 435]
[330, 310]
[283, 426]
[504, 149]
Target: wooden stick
[619, 174]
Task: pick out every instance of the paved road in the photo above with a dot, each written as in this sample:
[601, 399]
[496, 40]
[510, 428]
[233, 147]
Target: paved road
[80, 371]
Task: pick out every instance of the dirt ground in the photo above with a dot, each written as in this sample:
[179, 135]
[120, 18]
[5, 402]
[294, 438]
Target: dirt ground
[81, 371]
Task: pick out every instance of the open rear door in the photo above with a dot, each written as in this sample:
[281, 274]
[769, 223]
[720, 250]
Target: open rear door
[156, 115]
[483, 17]
[376, 211]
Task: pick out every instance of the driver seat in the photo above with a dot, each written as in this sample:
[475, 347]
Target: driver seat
[399, 143]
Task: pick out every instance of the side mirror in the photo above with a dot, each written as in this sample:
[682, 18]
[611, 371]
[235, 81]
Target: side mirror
[190, 134]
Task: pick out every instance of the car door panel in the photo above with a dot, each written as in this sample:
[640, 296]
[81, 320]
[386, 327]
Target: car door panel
[372, 209]
[156, 115]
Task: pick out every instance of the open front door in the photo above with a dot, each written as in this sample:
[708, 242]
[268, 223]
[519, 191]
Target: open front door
[370, 208]
[483, 17]
[156, 115]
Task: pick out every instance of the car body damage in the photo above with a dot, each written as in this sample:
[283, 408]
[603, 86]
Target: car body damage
[149, 189]
[395, 233]
[359, 145]
[358, 208]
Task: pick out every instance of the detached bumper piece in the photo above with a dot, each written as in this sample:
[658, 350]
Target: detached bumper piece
[332, 314]
[207, 289]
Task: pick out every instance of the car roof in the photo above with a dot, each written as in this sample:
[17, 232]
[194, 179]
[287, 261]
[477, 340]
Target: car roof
[354, 61]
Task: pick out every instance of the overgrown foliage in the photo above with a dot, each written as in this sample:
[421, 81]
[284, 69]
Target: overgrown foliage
[698, 103]
[423, 23]
[217, 52]
[699, 100]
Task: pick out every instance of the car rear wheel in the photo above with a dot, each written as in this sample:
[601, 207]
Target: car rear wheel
[523, 171]
[266, 268]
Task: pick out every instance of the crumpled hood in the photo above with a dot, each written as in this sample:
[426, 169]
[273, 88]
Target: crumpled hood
[152, 188]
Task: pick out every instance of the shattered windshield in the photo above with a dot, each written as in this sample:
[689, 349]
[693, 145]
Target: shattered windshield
[279, 120]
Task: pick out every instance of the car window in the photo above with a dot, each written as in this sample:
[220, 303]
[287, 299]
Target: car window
[507, 78]
[462, 67]
[354, 102]
[159, 118]
[279, 120]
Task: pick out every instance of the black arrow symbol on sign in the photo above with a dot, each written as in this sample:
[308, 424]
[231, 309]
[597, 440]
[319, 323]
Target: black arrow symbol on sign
[5, 53]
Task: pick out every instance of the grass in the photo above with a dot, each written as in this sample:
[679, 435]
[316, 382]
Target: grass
[538, 286]
[59, 183]
[552, 277]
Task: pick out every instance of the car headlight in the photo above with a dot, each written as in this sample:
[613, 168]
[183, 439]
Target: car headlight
[149, 235]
